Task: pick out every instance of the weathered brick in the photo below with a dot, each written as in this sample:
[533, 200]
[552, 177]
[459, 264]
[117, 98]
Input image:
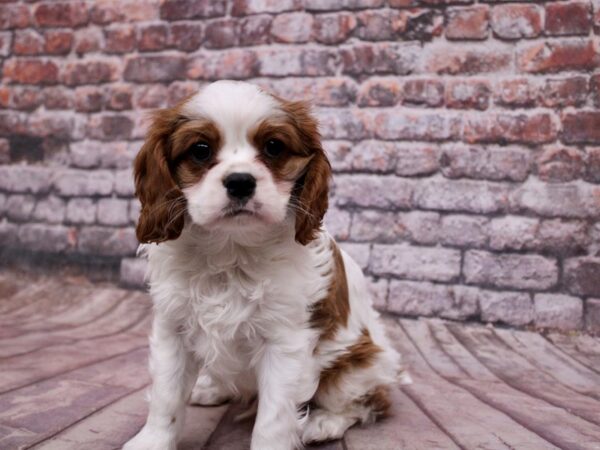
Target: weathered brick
[89, 98]
[558, 311]
[563, 92]
[81, 211]
[58, 42]
[8, 234]
[568, 18]
[343, 123]
[376, 226]
[43, 124]
[247, 7]
[491, 163]
[380, 25]
[556, 164]
[516, 92]
[372, 190]
[134, 210]
[186, 36]
[333, 29]
[512, 232]
[234, 64]
[26, 179]
[423, 92]
[581, 127]
[254, 30]
[512, 308]
[416, 263]
[378, 291]
[108, 11]
[113, 211]
[28, 42]
[149, 96]
[21, 97]
[510, 270]
[557, 56]
[360, 253]
[366, 156]
[4, 151]
[180, 90]
[295, 61]
[414, 160]
[592, 166]
[337, 91]
[61, 14]
[397, 58]
[581, 276]
[337, 223]
[221, 33]
[406, 124]
[191, 9]
[147, 69]
[50, 209]
[6, 43]
[133, 271]
[592, 316]
[461, 195]
[421, 24]
[379, 92]
[470, 22]
[516, 21]
[71, 182]
[107, 241]
[89, 72]
[109, 127]
[46, 238]
[467, 94]
[56, 97]
[152, 37]
[292, 27]
[536, 128]
[445, 59]
[120, 39]
[333, 5]
[19, 207]
[464, 231]
[88, 40]
[118, 97]
[561, 237]
[30, 71]
[14, 16]
[595, 89]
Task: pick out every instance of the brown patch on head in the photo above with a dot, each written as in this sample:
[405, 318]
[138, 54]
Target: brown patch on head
[304, 162]
[332, 311]
[162, 168]
[359, 355]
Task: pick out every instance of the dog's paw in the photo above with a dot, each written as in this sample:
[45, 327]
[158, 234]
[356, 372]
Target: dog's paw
[208, 393]
[148, 439]
[324, 426]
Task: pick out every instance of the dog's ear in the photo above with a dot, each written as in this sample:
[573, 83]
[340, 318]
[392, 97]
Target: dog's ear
[163, 203]
[312, 189]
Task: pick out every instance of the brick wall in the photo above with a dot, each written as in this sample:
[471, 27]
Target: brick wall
[465, 136]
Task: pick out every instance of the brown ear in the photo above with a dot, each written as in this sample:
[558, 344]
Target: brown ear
[312, 189]
[163, 203]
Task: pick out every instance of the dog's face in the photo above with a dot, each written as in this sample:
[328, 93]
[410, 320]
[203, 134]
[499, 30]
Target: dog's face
[231, 157]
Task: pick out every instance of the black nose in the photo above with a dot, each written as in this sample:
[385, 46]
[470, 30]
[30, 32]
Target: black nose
[240, 185]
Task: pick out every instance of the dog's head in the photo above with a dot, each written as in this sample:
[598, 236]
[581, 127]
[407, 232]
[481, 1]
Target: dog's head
[231, 157]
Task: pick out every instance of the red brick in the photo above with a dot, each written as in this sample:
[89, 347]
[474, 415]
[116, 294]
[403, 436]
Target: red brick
[58, 42]
[186, 36]
[319, 91]
[529, 129]
[118, 97]
[592, 165]
[120, 39]
[561, 237]
[333, 28]
[89, 99]
[559, 93]
[234, 63]
[544, 57]
[61, 14]
[4, 152]
[30, 71]
[104, 12]
[423, 92]
[292, 27]
[516, 92]
[5, 43]
[150, 96]
[422, 24]
[373, 191]
[467, 94]
[467, 23]
[88, 72]
[28, 42]
[418, 126]
[154, 68]
[50, 124]
[595, 89]
[560, 164]
[88, 40]
[25, 98]
[179, 90]
[191, 9]
[379, 58]
[379, 92]
[568, 18]
[296, 61]
[247, 7]
[518, 21]
[109, 127]
[582, 275]
[152, 37]
[14, 16]
[462, 59]
[581, 127]
[380, 25]
[343, 123]
[254, 30]
[220, 33]
[334, 5]
[107, 241]
[58, 98]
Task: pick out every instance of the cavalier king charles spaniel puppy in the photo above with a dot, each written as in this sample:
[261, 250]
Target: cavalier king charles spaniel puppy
[253, 300]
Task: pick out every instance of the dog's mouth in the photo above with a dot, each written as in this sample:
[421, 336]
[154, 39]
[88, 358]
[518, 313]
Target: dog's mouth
[238, 211]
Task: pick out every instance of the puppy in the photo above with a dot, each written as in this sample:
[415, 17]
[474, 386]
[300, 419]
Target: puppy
[252, 299]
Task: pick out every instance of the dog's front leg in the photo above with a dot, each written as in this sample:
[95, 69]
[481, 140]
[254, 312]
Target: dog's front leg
[282, 385]
[174, 372]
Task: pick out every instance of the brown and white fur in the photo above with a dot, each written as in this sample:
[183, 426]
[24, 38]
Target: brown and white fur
[252, 299]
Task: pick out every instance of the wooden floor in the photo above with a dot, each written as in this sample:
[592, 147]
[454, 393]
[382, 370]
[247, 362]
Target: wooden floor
[73, 376]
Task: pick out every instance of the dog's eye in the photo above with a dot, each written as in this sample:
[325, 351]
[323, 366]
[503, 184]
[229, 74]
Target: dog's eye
[274, 148]
[200, 151]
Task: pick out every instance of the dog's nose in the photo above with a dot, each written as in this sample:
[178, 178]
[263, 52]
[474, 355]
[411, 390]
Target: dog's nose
[240, 185]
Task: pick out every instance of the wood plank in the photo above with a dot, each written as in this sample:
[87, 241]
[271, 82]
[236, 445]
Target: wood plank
[539, 352]
[553, 424]
[522, 375]
[30, 293]
[583, 348]
[475, 424]
[408, 429]
[200, 422]
[231, 435]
